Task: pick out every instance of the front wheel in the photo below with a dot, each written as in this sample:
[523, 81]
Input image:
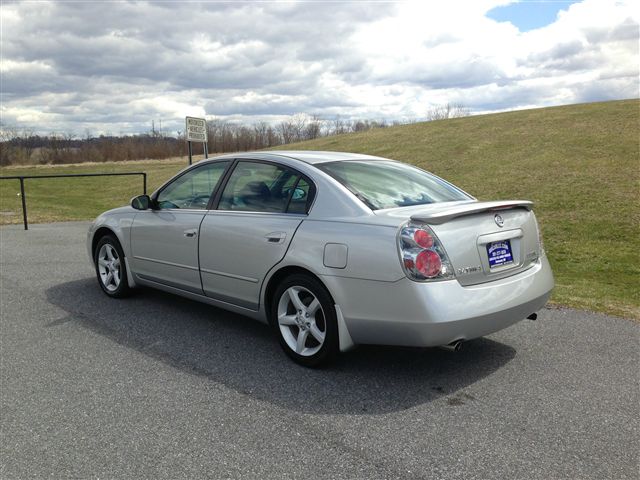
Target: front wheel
[110, 267]
[305, 320]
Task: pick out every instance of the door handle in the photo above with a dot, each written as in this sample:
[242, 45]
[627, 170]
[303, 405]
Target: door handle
[275, 237]
[190, 233]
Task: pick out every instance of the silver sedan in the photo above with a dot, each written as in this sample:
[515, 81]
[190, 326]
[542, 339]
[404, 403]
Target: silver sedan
[331, 249]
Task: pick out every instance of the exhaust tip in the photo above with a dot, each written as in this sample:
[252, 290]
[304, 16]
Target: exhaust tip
[533, 316]
[454, 346]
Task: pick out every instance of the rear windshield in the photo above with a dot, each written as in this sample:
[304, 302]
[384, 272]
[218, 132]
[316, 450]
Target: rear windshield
[387, 184]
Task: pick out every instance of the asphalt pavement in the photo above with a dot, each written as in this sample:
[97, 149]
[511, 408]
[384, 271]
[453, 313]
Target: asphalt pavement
[156, 386]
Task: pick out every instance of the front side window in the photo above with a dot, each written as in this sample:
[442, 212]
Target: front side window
[263, 187]
[193, 189]
[387, 184]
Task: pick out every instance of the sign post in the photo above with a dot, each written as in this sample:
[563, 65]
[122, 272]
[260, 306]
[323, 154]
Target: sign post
[196, 132]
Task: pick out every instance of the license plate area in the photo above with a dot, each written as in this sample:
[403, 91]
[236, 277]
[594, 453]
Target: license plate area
[499, 254]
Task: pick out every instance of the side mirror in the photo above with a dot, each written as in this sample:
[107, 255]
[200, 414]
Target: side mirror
[141, 202]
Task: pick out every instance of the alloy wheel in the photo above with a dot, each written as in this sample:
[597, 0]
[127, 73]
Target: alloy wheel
[109, 267]
[302, 321]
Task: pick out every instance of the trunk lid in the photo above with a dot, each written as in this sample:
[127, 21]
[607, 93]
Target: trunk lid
[484, 241]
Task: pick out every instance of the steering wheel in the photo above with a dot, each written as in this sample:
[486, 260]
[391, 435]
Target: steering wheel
[164, 204]
[199, 201]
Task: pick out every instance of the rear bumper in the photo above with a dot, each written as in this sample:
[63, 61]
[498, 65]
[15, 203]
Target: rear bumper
[430, 314]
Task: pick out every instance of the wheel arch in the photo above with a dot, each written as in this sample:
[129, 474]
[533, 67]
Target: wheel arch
[278, 276]
[98, 235]
[345, 341]
[102, 232]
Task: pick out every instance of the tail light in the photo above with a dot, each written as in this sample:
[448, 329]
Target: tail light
[423, 257]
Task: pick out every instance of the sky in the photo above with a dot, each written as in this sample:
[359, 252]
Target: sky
[89, 68]
[529, 15]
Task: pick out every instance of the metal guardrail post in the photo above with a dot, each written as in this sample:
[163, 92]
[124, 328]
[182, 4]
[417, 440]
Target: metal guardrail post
[24, 204]
[22, 178]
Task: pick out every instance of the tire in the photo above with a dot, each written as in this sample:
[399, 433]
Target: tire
[111, 268]
[304, 318]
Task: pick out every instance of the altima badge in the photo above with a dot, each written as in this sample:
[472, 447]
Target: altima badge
[468, 270]
[499, 220]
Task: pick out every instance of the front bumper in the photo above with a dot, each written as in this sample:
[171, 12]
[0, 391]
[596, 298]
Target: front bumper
[430, 314]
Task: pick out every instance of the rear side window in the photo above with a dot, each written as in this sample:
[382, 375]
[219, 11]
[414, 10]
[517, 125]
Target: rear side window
[265, 187]
[300, 197]
[386, 184]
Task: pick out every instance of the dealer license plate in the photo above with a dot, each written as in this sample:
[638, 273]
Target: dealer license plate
[499, 253]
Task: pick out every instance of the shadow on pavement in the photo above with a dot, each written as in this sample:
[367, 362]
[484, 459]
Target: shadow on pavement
[244, 355]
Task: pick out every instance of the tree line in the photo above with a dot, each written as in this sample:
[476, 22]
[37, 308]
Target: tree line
[24, 147]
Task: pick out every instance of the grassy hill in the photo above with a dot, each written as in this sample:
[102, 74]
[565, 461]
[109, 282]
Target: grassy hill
[580, 164]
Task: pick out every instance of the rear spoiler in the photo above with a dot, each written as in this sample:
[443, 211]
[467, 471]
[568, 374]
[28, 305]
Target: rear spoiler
[443, 216]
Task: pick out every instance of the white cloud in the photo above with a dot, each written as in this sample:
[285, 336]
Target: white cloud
[117, 66]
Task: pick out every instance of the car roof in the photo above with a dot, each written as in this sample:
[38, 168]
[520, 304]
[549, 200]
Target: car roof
[308, 156]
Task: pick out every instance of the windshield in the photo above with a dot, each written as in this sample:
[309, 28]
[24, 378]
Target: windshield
[388, 184]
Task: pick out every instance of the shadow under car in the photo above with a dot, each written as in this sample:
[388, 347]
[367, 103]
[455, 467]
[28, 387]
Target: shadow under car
[245, 356]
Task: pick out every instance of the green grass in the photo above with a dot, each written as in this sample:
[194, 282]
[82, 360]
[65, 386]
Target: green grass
[63, 199]
[580, 164]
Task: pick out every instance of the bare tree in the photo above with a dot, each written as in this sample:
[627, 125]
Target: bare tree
[448, 110]
[287, 131]
[339, 126]
[272, 137]
[260, 130]
[313, 128]
[299, 123]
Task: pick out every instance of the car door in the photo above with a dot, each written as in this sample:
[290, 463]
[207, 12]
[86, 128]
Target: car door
[259, 210]
[164, 240]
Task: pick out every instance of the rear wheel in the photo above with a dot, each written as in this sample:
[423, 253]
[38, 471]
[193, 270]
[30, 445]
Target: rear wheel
[110, 267]
[304, 317]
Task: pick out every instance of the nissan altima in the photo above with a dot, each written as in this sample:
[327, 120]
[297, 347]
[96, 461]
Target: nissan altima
[331, 249]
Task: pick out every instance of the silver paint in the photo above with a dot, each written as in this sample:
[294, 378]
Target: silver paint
[231, 259]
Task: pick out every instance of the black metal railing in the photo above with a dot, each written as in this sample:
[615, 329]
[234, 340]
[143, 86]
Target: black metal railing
[22, 178]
